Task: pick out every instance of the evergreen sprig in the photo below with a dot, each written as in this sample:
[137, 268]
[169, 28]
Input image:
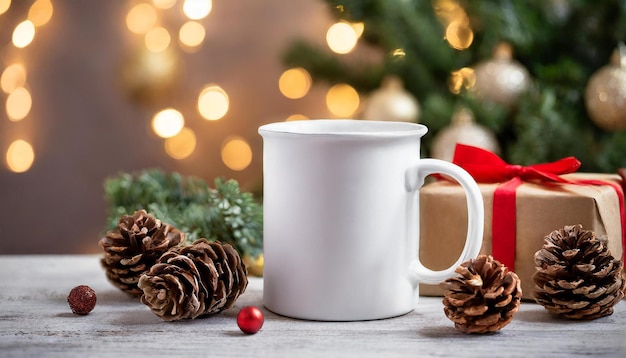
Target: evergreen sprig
[222, 213]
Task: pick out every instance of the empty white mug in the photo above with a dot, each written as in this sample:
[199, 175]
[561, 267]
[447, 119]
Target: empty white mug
[341, 218]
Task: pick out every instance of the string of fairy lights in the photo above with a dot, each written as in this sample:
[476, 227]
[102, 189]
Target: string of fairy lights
[145, 20]
[20, 155]
[342, 100]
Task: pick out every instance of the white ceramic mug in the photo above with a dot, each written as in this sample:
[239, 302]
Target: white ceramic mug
[341, 218]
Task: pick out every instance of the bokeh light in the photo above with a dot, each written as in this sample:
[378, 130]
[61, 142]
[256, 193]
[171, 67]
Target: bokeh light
[20, 156]
[141, 18]
[358, 27]
[168, 123]
[13, 77]
[40, 12]
[342, 100]
[197, 9]
[459, 35]
[191, 34]
[296, 117]
[213, 102]
[294, 83]
[341, 38]
[181, 145]
[4, 6]
[398, 53]
[164, 4]
[18, 104]
[236, 153]
[458, 31]
[463, 78]
[23, 34]
[157, 39]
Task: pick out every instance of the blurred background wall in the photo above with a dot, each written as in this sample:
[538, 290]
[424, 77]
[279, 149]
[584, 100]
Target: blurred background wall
[91, 89]
[93, 98]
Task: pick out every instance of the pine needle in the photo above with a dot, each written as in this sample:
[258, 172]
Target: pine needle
[222, 213]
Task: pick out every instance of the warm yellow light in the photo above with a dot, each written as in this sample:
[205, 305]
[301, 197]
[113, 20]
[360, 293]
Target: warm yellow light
[459, 35]
[168, 123]
[197, 9]
[296, 117]
[20, 156]
[213, 102]
[13, 77]
[398, 53]
[236, 153]
[294, 83]
[341, 38]
[455, 82]
[358, 27]
[191, 34]
[463, 78]
[164, 4]
[23, 34]
[448, 10]
[459, 32]
[157, 39]
[40, 12]
[4, 6]
[342, 100]
[181, 145]
[18, 104]
[141, 18]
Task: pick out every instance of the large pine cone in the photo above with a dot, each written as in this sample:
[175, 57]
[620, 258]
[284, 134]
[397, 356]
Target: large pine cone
[484, 297]
[191, 281]
[576, 276]
[134, 246]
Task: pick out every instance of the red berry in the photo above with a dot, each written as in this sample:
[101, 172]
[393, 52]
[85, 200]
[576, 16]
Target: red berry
[82, 299]
[250, 319]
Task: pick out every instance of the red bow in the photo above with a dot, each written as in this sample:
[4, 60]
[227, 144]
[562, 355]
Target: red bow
[487, 167]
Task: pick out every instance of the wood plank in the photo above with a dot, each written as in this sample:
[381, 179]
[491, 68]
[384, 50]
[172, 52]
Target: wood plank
[36, 321]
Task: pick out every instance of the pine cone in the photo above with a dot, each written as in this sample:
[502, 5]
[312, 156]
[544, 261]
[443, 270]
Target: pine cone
[484, 297]
[576, 276]
[134, 246]
[191, 281]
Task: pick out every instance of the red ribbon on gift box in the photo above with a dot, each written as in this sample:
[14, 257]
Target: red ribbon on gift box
[486, 167]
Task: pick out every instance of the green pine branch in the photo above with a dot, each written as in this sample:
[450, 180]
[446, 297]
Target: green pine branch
[222, 213]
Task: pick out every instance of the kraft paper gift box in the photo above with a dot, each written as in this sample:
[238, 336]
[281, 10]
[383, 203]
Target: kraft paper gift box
[540, 209]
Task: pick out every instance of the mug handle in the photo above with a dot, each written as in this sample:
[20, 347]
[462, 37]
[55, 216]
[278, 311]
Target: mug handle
[414, 179]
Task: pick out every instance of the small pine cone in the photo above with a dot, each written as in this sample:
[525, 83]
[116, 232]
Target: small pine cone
[191, 281]
[576, 276]
[134, 246]
[484, 297]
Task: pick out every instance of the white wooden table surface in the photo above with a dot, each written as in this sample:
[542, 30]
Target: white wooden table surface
[35, 321]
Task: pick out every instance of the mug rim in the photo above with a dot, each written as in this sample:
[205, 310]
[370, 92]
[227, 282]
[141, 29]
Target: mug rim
[344, 128]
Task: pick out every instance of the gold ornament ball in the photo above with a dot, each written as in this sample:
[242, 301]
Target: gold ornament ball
[147, 77]
[254, 264]
[465, 130]
[605, 95]
[391, 102]
[501, 79]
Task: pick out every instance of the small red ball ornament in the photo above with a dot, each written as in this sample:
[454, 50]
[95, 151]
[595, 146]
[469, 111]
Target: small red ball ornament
[82, 299]
[250, 319]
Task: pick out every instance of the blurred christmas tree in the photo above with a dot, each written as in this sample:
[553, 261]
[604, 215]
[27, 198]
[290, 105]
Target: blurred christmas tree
[443, 52]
